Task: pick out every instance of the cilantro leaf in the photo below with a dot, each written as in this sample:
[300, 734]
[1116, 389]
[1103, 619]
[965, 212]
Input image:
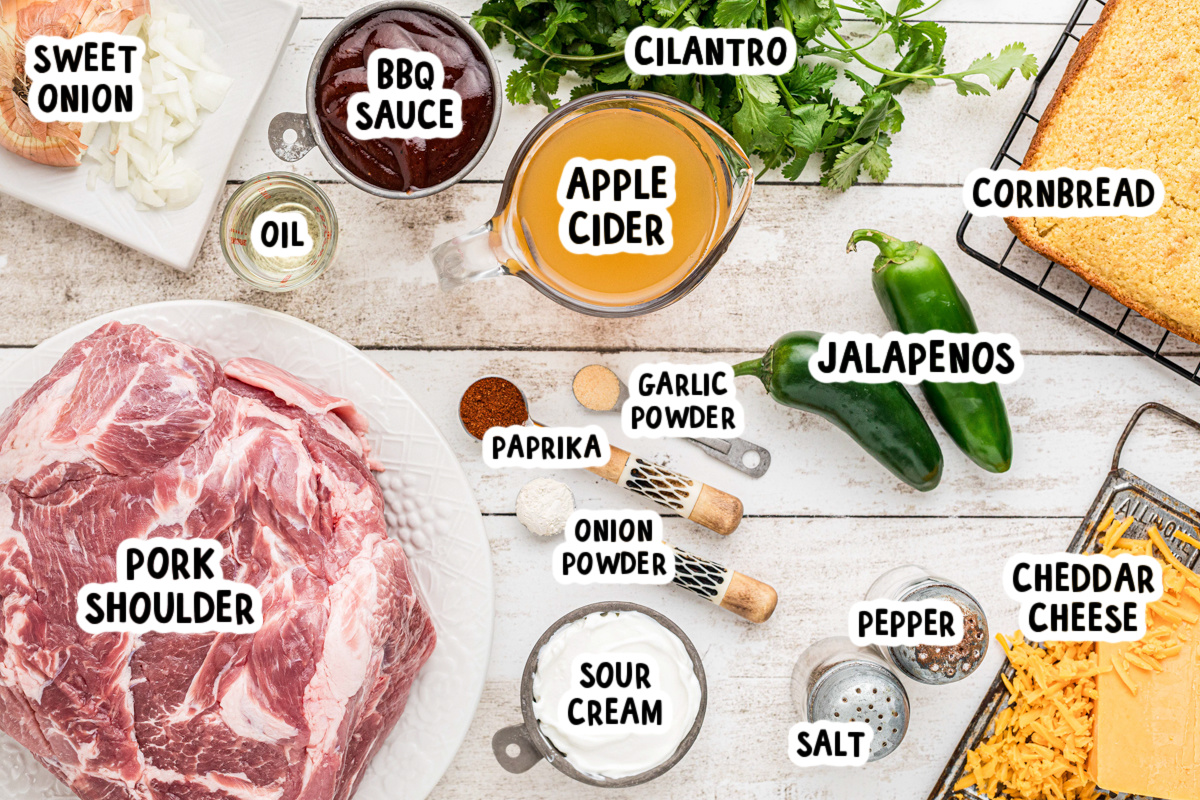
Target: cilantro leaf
[862, 83]
[808, 127]
[808, 79]
[873, 11]
[565, 13]
[811, 18]
[875, 108]
[734, 13]
[846, 166]
[582, 90]
[933, 33]
[519, 87]
[966, 87]
[795, 167]
[761, 87]
[545, 86]
[878, 162]
[759, 126]
[997, 69]
[667, 8]
[618, 72]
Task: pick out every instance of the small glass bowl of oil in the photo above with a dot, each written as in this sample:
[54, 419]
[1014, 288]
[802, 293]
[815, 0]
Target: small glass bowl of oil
[296, 245]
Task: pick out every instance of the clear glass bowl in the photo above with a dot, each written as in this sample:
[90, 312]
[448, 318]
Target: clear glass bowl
[273, 191]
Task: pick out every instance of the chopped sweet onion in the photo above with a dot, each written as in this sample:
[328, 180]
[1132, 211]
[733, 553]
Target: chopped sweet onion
[180, 82]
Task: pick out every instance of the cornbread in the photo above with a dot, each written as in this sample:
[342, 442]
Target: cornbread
[1129, 99]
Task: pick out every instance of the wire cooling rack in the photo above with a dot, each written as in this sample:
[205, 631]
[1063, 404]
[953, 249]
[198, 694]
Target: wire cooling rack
[997, 247]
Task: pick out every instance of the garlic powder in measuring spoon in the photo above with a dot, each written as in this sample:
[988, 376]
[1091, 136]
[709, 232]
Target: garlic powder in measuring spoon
[616, 693]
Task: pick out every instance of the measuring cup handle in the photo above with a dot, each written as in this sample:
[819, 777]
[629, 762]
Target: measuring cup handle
[527, 755]
[467, 258]
[290, 121]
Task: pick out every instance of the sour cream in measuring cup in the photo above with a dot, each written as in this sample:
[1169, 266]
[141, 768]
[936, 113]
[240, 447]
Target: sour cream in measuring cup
[616, 693]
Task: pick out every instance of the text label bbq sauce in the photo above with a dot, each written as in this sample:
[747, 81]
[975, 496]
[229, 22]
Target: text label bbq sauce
[404, 164]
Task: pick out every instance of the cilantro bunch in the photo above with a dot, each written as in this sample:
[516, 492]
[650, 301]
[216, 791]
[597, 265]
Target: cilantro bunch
[784, 120]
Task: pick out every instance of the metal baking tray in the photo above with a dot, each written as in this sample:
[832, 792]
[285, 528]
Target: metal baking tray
[1127, 495]
[988, 239]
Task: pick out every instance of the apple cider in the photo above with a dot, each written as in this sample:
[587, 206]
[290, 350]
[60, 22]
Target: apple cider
[616, 205]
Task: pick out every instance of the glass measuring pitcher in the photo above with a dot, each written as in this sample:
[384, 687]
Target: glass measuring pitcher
[615, 205]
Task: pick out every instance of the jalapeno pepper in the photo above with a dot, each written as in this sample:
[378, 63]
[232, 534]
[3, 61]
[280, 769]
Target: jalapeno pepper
[881, 417]
[918, 296]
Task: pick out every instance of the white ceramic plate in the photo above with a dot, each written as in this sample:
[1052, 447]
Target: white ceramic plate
[247, 38]
[430, 510]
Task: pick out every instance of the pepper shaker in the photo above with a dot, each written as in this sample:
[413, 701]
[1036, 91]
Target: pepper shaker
[927, 663]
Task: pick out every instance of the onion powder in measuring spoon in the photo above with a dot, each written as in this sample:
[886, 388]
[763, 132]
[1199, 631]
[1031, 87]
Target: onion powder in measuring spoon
[638, 719]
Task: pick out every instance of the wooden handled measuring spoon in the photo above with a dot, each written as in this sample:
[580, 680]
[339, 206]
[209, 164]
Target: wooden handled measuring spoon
[493, 401]
[750, 599]
[598, 388]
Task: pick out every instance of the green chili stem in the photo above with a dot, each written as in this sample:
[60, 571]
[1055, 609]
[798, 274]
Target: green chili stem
[891, 249]
[878, 238]
[752, 367]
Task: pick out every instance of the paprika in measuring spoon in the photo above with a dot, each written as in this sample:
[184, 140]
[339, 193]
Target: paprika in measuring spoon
[404, 164]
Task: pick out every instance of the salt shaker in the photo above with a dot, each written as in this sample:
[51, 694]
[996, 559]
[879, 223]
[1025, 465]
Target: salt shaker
[836, 681]
[926, 663]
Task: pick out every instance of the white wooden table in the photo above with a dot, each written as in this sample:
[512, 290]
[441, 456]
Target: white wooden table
[819, 527]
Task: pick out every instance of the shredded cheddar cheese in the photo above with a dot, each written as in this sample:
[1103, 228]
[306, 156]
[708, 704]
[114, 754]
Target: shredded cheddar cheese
[1039, 745]
[1164, 616]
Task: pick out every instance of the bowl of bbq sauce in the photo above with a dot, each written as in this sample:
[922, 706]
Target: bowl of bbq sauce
[403, 100]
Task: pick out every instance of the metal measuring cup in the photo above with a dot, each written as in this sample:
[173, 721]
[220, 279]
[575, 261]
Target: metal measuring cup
[307, 126]
[532, 745]
[714, 509]
[742, 455]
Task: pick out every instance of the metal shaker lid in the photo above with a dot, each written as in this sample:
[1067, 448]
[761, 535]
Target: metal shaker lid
[863, 691]
[942, 664]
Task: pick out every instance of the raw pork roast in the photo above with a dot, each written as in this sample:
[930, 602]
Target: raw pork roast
[136, 435]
